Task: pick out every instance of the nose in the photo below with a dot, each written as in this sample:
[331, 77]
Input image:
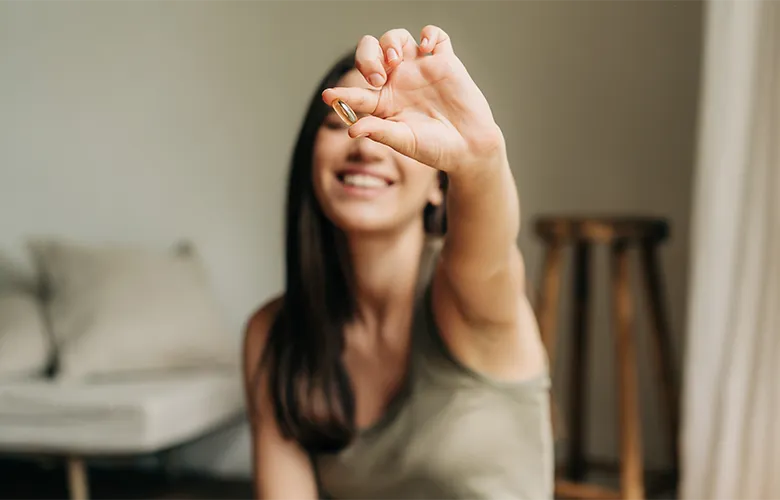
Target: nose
[364, 150]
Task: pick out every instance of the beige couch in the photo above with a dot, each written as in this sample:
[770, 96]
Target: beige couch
[113, 351]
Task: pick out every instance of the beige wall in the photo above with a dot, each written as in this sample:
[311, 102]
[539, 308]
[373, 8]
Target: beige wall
[150, 121]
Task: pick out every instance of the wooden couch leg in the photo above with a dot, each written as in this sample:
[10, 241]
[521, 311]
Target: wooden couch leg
[78, 486]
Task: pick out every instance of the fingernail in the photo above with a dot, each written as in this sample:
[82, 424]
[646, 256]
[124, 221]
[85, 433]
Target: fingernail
[392, 55]
[376, 79]
[424, 43]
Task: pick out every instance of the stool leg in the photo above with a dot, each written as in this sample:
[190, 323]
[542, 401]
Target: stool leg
[78, 485]
[662, 342]
[631, 467]
[578, 386]
[547, 311]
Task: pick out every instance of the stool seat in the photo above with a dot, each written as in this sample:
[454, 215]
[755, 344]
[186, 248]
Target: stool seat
[602, 229]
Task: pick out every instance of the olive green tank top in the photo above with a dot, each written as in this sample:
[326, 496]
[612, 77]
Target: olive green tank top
[450, 433]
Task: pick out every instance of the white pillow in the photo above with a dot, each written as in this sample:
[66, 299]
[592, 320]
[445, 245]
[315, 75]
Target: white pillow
[120, 309]
[24, 343]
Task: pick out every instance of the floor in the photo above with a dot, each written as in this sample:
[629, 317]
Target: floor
[34, 480]
[30, 480]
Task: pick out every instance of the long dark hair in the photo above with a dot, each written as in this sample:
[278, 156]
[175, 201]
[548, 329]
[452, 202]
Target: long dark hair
[310, 390]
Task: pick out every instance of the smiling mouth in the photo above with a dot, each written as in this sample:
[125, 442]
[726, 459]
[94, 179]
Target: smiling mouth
[363, 180]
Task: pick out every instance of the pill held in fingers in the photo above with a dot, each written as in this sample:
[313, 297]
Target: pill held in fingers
[345, 112]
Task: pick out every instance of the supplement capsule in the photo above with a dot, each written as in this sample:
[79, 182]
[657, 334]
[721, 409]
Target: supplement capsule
[345, 112]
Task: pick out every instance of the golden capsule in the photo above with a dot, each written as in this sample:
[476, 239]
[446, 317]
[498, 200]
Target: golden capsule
[345, 112]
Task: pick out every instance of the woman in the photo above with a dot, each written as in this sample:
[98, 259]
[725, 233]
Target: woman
[390, 367]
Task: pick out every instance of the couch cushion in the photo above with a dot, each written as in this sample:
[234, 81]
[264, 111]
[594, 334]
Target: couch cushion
[122, 309]
[129, 416]
[24, 341]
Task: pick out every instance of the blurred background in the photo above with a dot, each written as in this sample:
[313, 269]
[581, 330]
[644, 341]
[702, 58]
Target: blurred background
[131, 132]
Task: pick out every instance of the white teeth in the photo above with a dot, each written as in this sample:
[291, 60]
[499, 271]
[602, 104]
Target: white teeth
[361, 180]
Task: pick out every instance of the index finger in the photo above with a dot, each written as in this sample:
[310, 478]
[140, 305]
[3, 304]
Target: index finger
[369, 61]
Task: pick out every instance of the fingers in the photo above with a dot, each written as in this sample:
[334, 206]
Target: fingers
[396, 45]
[359, 99]
[369, 60]
[375, 59]
[434, 40]
[390, 133]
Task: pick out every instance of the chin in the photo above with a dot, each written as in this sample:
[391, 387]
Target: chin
[364, 224]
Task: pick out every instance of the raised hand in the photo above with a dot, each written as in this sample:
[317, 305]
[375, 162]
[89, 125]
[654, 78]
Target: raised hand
[423, 103]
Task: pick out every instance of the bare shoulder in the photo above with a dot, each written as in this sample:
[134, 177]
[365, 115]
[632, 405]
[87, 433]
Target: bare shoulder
[281, 467]
[256, 334]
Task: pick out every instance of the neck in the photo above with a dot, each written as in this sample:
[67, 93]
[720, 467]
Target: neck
[385, 269]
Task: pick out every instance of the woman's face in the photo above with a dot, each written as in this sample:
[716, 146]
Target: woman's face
[363, 186]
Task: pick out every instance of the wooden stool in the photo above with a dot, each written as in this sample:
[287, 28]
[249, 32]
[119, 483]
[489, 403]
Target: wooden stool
[619, 233]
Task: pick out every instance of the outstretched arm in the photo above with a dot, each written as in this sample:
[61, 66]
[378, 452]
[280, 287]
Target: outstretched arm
[479, 289]
[481, 264]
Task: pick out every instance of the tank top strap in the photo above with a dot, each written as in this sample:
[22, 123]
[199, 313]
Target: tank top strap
[429, 257]
[422, 315]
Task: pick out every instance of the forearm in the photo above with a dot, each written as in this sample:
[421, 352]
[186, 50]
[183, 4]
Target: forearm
[480, 259]
[483, 217]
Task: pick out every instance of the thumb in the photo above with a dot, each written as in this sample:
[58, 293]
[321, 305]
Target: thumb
[394, 134]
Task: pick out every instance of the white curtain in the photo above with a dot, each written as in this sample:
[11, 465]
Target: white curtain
[731, 433]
